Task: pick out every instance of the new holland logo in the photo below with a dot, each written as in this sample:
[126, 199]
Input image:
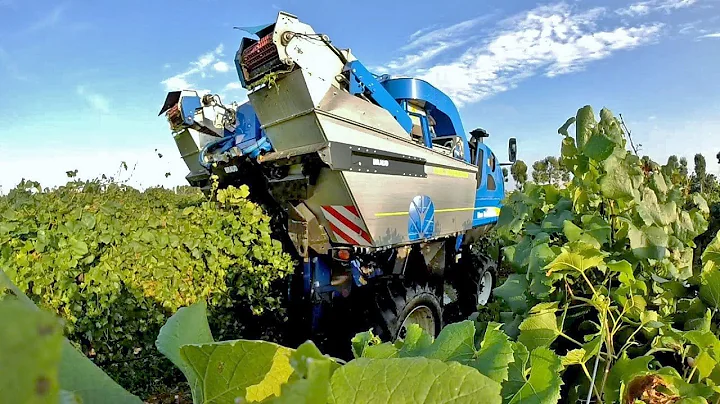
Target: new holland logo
[422, 218]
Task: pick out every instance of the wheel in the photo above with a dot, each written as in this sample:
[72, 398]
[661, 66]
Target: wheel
[396, 306]
[473, 282]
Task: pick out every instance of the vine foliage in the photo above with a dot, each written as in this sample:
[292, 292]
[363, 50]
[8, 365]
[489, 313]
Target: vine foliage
[604, 275]
[116, 263]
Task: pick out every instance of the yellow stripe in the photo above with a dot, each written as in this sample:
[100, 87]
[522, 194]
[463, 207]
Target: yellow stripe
[386, 214]
[449, 172]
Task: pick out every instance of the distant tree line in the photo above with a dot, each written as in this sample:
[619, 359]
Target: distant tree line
[550, 170]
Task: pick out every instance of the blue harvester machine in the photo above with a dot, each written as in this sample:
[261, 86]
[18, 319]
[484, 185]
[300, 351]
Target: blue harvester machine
[372, 183]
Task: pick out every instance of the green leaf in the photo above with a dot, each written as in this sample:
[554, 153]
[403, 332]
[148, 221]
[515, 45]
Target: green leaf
[576, 257]
[648, 242]
[712, 252]
[251, 370]
[543, 385]
[495, 354]
[563, 130]
[704, 364]
[512, 291]
[416, 340]
[311, 380]
[540, 284]
[710, 288]
[622, 372]
[381, 351]
[78, 375]
[188, 325]
[363, 340]
[584, 125]
[517, 371]
[574, 357]
[79, 248]
[626, 275]
[413, 380]
[539, 330]
[701, 203]
[88, 220]
[599, 147]
[653, 213]
[616, 184]
[454, 343]
[30, 351]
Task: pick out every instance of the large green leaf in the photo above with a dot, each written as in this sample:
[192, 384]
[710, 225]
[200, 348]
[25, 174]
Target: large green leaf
[512, 291]
[649, 242]
[411, 380]
[188, 326]
[584, 125]
[622, 372]
[540, 282]
[78, 376]
[517, 371]
[30, 351]
[712, 252]
[616, 184]
[311, 381]
[653, 213]
[710, 288]
[576, 257]
[539, 330]
[228, 370]
[495, 354]
[454, 343]
[599, 147]
[543, 385]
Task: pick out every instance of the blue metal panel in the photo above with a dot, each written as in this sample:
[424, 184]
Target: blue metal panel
[421, 222]
[256, 29]
[441, 107]
[362, 81]
[188, 105]
[488, 201]
[458, 242]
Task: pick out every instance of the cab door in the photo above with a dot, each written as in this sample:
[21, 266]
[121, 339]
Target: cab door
[490, 187]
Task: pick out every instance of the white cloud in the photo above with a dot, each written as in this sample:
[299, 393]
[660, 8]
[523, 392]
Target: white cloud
[233, 85]
[648, 6]
[713, 35]
[233, 91]
[549, 40]
[199, 67]
[426, 43]
[98, 102]
[221, 67]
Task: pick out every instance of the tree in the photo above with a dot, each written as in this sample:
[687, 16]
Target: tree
[519, 173]
[683, 166]
[540, 174]
[550, 170]
[505, 174]
[699, 178]
[717, 156]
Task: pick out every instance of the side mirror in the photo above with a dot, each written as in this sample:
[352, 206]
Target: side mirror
[512, 149]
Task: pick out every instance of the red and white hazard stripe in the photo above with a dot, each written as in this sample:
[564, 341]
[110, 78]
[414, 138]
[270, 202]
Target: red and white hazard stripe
[346, 224]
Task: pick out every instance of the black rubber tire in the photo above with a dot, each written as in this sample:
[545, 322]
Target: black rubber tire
[466, 280]
[391, 301]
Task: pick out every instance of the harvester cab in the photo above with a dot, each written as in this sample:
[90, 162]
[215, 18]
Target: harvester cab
[372, 182]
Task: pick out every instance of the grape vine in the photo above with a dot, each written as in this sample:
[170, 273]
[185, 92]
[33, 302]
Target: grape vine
[604, 273]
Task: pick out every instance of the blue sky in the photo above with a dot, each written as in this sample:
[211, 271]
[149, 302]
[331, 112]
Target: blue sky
[81, 82]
